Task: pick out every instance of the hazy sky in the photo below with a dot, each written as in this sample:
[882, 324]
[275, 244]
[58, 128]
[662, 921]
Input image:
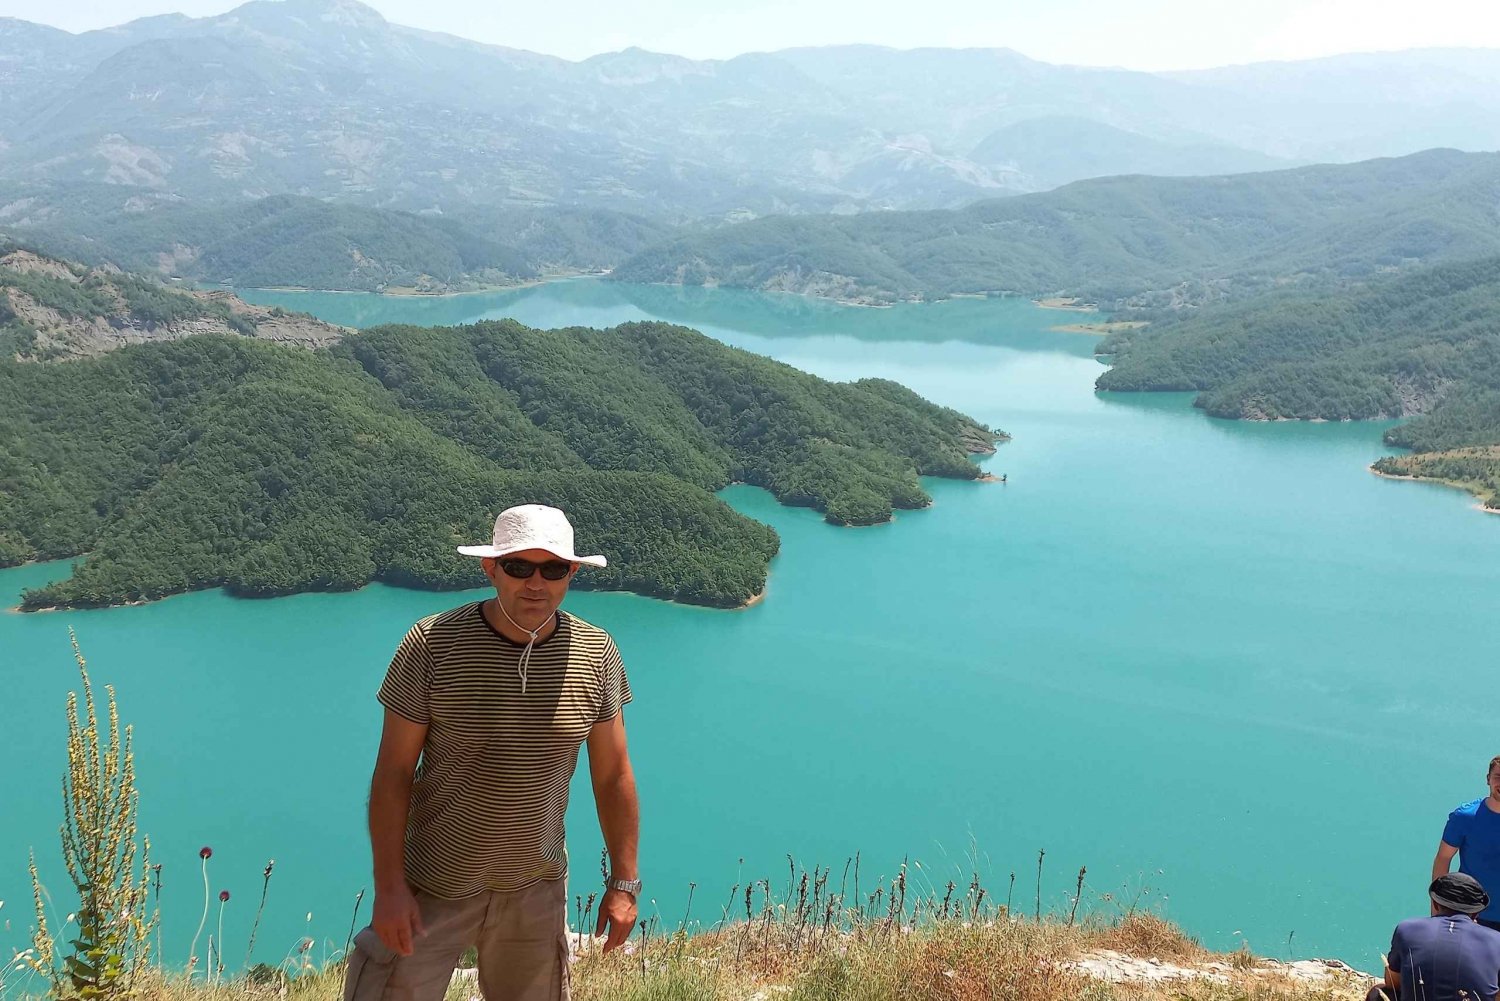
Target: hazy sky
[1141, 34]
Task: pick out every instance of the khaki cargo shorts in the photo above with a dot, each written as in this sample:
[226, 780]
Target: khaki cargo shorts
[521, 938]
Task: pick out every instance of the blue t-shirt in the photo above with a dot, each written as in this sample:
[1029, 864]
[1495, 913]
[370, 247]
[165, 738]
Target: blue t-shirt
[1440, 957]
[1474, 829]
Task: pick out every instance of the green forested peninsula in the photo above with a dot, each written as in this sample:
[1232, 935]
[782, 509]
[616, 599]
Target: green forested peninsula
[1151, 240]
[216, 461]
[292, 241]
[1424, 344]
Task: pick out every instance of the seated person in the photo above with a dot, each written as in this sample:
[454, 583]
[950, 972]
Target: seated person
[1446, 957]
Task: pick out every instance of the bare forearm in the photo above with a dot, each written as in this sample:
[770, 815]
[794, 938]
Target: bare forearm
[620, 822]
[390, 803]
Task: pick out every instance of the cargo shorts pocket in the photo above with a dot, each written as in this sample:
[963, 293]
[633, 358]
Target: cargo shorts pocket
[370, 967]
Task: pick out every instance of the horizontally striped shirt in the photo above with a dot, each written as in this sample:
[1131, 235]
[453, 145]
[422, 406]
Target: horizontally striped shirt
[491, 788]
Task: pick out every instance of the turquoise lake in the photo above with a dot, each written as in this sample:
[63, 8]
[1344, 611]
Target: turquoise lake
[1214, 662]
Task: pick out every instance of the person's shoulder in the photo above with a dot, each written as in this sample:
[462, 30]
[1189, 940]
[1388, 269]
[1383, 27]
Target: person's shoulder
[585, 631]
[1410, 925]
[462, 617]
[1467, 809]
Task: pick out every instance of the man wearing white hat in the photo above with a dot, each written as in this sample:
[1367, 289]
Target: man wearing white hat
[486, 707]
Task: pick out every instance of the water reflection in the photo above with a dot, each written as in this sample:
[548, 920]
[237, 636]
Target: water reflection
[1014, 323]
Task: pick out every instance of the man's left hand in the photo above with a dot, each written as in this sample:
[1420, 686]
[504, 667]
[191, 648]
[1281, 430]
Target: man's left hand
[617, 917]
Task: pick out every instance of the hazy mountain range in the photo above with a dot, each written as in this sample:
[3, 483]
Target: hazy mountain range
[1149, 240]
[327, 99]
[296, 241]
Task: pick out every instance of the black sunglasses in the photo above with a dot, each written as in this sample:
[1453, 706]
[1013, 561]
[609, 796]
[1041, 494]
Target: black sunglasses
[521, 569]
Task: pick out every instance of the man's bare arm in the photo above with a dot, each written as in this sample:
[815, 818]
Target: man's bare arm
[619, 820]
[396, 918]
[1444, 860]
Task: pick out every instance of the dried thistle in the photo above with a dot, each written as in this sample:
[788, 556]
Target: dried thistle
[265, 886]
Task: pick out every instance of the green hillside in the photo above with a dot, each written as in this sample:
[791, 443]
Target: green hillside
[1152, 240]
[1424, 344]
[214, 461]
[52, 309]
[291, 241]
[76, 292]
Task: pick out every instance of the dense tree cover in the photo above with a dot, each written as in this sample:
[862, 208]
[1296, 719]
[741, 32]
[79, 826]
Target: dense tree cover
[1389, 348]
[209, 462]
[212, 461]
[654, 397]
[1150, 239]
[293, 241]
[1469, 414]
[564, 239]
[1424, 343]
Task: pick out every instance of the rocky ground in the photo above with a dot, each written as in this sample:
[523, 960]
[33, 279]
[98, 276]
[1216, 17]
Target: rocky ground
[60, 335]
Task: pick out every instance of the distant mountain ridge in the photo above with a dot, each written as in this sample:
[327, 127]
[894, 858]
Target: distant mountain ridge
[1049, 152]
[294, 241]
[1147, 240]
[326, 99]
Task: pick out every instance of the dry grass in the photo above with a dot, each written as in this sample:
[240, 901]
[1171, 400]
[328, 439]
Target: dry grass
[321, 985]
[817, 937]
[1146, 935]
[997, 958]
[952, 960]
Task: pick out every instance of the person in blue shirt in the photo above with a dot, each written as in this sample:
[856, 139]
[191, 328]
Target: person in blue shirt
[1473, 834]
[1448, 956]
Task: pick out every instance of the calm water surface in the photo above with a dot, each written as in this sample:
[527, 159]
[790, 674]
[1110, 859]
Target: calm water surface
[1216, 663]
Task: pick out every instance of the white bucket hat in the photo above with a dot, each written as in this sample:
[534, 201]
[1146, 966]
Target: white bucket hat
[532, 526]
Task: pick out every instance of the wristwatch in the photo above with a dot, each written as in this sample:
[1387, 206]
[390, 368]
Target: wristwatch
[630, 886]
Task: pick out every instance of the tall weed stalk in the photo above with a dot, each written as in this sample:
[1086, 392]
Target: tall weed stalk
[108, 869]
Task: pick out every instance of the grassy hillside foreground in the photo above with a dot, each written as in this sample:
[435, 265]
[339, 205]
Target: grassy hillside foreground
[949, 958]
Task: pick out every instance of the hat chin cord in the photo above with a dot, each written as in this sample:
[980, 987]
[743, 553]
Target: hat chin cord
[526, 653]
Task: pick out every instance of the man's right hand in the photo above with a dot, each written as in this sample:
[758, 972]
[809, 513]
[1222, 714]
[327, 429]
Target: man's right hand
[397, 919]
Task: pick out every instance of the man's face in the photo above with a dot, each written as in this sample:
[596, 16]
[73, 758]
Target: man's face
[1494, 781]
[529, 602]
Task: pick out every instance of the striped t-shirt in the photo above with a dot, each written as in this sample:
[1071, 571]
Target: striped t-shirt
[491, 787]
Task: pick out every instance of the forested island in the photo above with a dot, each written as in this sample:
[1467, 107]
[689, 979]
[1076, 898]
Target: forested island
[1140, 241]
[1423, 344]
[224, 461]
